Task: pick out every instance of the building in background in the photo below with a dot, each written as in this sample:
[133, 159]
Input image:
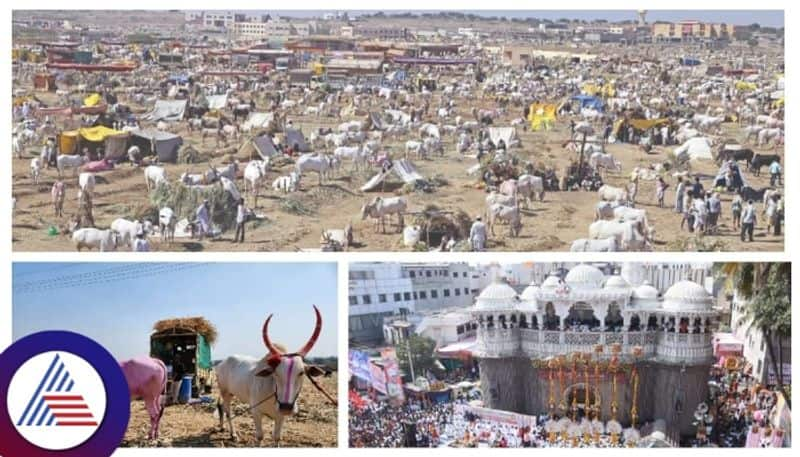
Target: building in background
[380, 292]
[690, 30]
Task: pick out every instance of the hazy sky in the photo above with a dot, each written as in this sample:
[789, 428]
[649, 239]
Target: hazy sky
[235, 297]
[773, 18]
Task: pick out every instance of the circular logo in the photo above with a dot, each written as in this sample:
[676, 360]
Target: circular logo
[56, 400]
[65, 395]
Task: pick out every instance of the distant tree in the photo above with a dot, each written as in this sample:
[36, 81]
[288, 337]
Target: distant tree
[766, 287]
[421, 354]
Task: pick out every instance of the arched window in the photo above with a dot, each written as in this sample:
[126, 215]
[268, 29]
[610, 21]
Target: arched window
[613, 320]
[552, 321]
[636, 324]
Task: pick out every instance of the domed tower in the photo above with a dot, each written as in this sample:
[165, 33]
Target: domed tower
[689, 320]
[503, 369]
[496, 310]
[677, 378]
[634, 272]
[585, 277]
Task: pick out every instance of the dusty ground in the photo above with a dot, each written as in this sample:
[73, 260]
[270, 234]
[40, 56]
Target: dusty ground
[552, 225]
[198, 425]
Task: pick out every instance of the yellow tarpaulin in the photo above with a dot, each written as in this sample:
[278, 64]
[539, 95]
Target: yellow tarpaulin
[779, 102]
[541, 115]
[607, 90]
[92, 100]
[99, 133]
[746, 86]
[644, 124]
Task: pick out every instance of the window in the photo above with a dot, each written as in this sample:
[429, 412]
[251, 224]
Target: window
[447, 292]
[415, 296]
[366, 299]
[412, 274]
[407, 296]
[398, 296]
[466, 291]
[382, 298]
[455, 274]
[458, 292]
[459, 329]
[428, 273]
[353, 300]
[423, 295]
[434, 294]
[464, 275]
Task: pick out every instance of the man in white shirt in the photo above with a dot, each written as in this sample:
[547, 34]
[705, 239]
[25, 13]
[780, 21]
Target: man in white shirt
[477, 235]
[748, 221]
[240, 219]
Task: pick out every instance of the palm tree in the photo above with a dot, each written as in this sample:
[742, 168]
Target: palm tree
[766, 287]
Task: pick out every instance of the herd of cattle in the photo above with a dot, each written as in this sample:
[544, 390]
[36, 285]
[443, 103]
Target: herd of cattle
[371, 127]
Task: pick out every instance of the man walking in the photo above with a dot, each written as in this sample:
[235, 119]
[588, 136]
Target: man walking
[774, 173]
[748, 221]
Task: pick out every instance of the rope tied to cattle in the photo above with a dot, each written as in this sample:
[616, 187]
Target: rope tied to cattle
[326, 394]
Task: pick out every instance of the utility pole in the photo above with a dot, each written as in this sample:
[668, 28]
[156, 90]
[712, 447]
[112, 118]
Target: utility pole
[410, 359]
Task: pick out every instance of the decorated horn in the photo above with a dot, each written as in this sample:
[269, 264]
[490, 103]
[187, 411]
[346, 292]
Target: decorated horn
[265, 335]
[311, 341]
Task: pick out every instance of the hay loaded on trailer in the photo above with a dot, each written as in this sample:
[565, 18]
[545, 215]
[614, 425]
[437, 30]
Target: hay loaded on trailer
[184, 345]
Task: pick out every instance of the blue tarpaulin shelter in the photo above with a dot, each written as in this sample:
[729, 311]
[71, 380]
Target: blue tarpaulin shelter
[690, 61]
[589, 101]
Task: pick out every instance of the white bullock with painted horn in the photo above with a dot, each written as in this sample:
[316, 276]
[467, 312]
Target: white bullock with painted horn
[270, 385]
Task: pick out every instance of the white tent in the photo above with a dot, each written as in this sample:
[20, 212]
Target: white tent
[695, 148]
[167, 110]
[217, 101]
[257, 121]
[404, 169]
[507, 134]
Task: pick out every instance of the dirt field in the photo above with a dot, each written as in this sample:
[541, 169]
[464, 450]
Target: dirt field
[198, 425]
[551, 225]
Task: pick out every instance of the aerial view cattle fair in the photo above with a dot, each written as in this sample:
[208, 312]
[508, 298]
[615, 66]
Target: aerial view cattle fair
[178, 352]
[567, 355]
[392, 131]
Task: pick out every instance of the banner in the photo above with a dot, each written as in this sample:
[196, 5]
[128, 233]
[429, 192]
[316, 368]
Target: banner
[394, 381]
[378, 378]
[359, 365]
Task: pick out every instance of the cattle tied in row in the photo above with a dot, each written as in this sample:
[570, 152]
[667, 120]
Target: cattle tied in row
[270, 386]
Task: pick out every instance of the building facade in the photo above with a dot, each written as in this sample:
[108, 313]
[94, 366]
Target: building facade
[586, 322]
[380, 290]
[691, 30]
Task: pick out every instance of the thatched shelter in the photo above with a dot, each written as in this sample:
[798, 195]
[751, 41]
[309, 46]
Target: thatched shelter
[435, 224]
[184, 345]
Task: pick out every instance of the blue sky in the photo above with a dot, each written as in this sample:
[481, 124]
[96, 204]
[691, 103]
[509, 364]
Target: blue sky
[235, 297]
[773, 18]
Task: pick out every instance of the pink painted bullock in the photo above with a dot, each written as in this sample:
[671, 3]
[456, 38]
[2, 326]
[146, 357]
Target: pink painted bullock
[147, 379]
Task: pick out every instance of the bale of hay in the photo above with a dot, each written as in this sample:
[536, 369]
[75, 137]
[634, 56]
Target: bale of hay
[435, 223]
[184, 201]
[199, 325]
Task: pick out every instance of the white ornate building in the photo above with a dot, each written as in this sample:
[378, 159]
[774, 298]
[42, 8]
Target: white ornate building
[667, 336]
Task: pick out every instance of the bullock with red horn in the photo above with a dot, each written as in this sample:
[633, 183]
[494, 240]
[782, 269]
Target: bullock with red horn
[270, 385]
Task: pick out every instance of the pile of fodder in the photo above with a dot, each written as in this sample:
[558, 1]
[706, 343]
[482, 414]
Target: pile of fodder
[435, 224]
[189, 154]
[297, 207]
[184, 201]
[199, 325]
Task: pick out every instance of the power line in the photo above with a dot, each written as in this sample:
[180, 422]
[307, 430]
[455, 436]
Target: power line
[112, 275]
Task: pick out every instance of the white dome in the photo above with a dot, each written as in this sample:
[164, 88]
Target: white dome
[551, 282]
[633, 272]
[687, 296]
[528, 297]
[585, 277]
[497, 295]
[617, 282]
[646, 291]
